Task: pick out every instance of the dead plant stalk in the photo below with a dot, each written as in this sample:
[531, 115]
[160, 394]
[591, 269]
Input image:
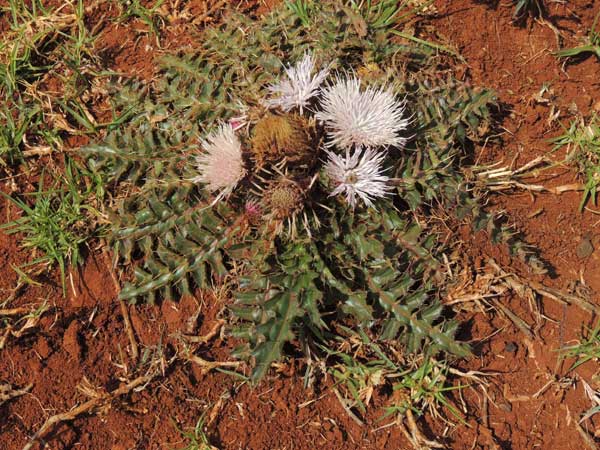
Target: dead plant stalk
[88, 406]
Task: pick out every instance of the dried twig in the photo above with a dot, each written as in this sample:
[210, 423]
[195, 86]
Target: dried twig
[5, 336]
[207, 366]
[524, 287]
[208, 336]
[214, 411]
[14, 311]
[506, 178]
[99, 400]
[127, 321]
[414, 435]
[31, 318]
[124, 311]
[586, 437]
[38, 150]
[516, 320]
[203, 17]
[494, 281]
[594, 397]
[344, 404]
[7, 392]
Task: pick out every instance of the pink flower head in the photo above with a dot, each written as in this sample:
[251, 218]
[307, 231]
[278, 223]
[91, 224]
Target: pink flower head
[221, 166]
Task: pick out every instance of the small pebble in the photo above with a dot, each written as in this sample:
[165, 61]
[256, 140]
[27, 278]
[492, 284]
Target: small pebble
[511, 347]
[585, 248]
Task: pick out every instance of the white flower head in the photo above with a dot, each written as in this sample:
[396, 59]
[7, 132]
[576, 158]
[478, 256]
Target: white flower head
[358, 175]
[221, 166]
[370, 118]
[298, 86]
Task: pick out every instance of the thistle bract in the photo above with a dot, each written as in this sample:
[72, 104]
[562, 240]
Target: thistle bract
[278, 136]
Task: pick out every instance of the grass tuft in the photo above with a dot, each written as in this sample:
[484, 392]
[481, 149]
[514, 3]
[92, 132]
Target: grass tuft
[524, 8]
[49, 77]
[583, 147]
[588, 348]
[591, 44]
[59, 219]
[196, 437]
[148, 15]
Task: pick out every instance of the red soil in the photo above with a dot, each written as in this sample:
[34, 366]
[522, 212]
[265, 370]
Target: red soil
[83, 336]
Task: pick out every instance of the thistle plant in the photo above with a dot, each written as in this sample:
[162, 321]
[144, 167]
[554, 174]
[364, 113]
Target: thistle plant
[312, 168]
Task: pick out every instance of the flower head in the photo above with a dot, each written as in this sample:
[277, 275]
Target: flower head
[253, 211]
[284, 198]
[252, 208]
[370, 118]
[299, 85]
[276, 136]
[358, 175]
[221, 165]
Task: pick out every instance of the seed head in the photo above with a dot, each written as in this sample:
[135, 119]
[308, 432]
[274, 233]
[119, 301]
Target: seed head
[370, 118]
[284, 203]
[284, 198]
[221, 166]
[275, 136]
[357, 175]
[298, 86]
